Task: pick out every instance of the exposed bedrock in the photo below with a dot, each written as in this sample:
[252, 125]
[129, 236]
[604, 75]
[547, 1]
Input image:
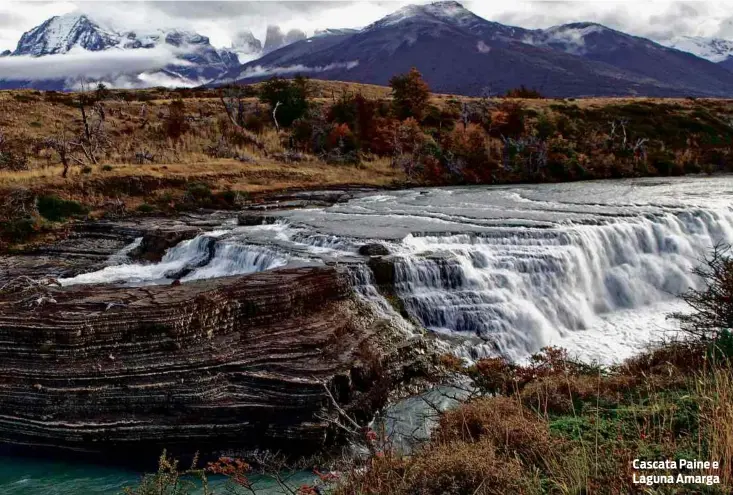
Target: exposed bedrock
[227, 363]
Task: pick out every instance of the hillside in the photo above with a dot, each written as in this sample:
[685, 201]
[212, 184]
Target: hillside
[154, 148]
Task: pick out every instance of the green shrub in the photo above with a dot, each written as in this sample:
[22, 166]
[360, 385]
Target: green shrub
[56, 209]
[106, 168]
[18, 230]
[145, 208]
[86, 170]
[198, 192]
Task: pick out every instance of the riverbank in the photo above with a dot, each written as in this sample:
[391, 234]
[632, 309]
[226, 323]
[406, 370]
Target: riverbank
[163, 152]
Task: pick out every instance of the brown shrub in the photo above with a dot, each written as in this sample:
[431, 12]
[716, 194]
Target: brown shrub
[453, 468]
[513, 430]
[668, 359]
[558, 394]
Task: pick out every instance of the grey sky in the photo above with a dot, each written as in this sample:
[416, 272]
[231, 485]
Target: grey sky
[220, 20]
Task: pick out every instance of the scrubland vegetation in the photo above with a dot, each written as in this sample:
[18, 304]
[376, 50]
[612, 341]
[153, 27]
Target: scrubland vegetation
[121, 152]
[553, 425]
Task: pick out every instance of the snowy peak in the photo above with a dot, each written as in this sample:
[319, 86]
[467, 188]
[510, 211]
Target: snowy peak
[575, 38]
[713, 49]
[245, 42]
[184, 58]
[60, 34]
[319, 33]
[437, 12]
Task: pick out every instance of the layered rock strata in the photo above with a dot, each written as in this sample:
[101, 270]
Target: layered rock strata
[236, 362]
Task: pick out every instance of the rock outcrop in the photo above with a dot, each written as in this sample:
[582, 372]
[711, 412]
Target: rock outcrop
[230, 363]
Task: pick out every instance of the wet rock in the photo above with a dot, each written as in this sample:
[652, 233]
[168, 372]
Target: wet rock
[384, 270]
[250, 218]
[154, 244]
[374, 249]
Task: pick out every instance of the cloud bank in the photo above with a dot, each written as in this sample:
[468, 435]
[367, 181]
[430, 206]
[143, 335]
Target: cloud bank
[261, 71]
[79, 63]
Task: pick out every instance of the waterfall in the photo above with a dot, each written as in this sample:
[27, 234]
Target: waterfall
[593, 266]
[518, 289]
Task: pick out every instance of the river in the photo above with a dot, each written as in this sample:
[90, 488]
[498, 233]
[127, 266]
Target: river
[591, 266]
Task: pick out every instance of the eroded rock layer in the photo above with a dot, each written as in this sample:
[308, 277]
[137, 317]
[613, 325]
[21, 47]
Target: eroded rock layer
[235, 362]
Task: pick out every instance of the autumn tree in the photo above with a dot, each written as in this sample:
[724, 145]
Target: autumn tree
[410, 95]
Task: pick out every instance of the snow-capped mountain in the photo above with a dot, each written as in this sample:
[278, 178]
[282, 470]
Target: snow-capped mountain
[713, 49]
[460, 52]
[62, 33]
[246, 46]
[177, 57]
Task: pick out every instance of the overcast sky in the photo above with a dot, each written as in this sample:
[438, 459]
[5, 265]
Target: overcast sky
[220, 20]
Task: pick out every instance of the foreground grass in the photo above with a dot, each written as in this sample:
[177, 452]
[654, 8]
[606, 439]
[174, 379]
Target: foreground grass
[557, 426]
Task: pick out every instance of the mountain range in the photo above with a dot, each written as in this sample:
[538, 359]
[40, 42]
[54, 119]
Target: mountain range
[456, 50]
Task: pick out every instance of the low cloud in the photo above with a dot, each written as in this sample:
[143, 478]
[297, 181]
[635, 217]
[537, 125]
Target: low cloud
[80, 63]
[260, 71]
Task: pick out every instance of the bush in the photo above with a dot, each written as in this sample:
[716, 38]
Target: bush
[86, 170]
[145, 208]
[56, 209]
[198, 192]
[523, 92]
[360, 115]
[18, 229]
[106, 168]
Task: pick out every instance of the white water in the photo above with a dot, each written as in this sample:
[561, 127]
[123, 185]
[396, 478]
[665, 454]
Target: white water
[594, 267]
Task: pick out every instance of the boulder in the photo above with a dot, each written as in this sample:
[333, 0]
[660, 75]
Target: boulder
[384, 270]
[373, 249]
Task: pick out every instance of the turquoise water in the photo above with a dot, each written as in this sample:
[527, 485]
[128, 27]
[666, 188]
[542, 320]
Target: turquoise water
[20, 476]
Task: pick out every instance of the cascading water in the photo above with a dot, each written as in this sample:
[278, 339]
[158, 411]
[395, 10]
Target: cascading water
[208, 255]
[518, 290]
[590, 266]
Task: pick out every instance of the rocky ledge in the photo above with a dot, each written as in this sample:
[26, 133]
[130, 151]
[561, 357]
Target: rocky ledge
[231, 363]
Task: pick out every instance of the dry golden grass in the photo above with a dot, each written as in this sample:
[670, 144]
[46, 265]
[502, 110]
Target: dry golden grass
[716, 418]
[264, 175]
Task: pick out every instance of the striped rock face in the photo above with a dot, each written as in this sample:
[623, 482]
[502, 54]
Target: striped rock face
[227, 363]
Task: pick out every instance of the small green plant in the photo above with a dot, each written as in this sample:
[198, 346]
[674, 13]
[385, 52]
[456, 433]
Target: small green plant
[198, 192]
[53, 208]
[145, 208]
[106, 168]
[19, 229]
[86, 170]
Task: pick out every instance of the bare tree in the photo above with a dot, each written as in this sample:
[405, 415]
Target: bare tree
[92, 117]
[84, 146]
[532, 151]
[232, 98]
[65, 147]
[274, 115]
